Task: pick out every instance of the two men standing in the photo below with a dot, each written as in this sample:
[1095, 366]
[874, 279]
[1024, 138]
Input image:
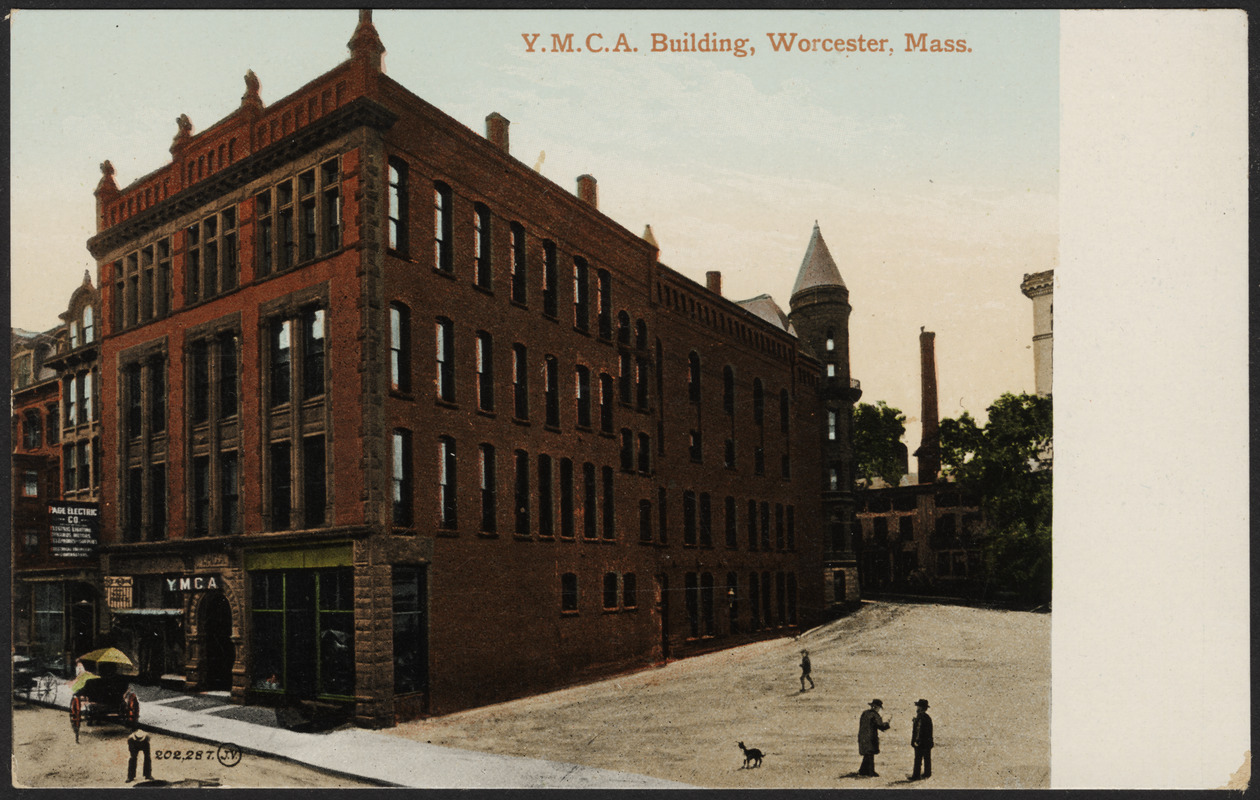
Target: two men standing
[871, 723]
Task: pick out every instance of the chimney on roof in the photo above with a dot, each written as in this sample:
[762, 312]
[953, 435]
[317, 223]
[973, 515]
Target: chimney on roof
[587, 191]
[713, 282]
[929, 452]
[365, 45]
[497, 130]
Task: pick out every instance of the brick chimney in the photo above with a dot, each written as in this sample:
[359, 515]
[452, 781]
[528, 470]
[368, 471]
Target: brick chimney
[713, 282]
[929, 452]
[587, 191]
[497, 130]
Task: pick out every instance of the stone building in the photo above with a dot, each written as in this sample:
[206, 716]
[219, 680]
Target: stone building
[394, 425]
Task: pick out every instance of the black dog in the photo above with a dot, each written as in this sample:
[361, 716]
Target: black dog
[751, 756]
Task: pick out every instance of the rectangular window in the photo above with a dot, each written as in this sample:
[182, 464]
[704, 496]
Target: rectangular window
[546, 508]
[447, 483]
[568, 592]
[481, 247]
[627, 450]
[445, 338]
[609, 503]
[229, 493]
[286, 243]
[30, 483]
[692, 596]
[397, 205]
[400, 477]
[135, 406]
[551, 391]
[332, 217]
[281, 361]
[71, 401]
[779, 538]
[629, 590]
[520, 281]
[694, 446]
[581, 295]
[157, 395]
[610, 591]
[192, 272]
[645, 454]
[210, 279]
[551, 303]
[603, 298]
[157, 501]
[399, 347]
[135, 504]
[582, 391]
[520, 381]
[645, 520]
[732, 523]
[522, 493]
[306, 216]
[706, 520]
[485, 371]
[200, 365]
[489, 502]
[230, 267]
[662, 522]
[752, 525]
[605, 403]
[566, 498]
[314, 488]
[313, 353]
[201, 495]
[589, 522]
[85, 478]
[759, 461]
[266, 234]
[411, 634]
[791, 527]
[626, 377]
[765, 526]
[281, 485]
[442, 227]
[228, 348]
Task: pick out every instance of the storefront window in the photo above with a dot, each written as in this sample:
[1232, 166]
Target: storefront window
[410, 634]
[50, 609]
[303, 632]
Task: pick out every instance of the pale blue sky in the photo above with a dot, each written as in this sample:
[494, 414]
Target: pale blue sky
[934, 177]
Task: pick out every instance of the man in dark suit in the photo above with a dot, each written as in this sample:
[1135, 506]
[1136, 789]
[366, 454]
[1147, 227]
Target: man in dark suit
[869, 726]
[921, 741]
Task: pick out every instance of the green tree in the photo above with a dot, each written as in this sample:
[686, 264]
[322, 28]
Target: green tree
[877, 447]
[1007, 464]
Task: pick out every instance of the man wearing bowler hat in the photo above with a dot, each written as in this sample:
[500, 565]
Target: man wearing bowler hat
[869, 726]
[921, 741]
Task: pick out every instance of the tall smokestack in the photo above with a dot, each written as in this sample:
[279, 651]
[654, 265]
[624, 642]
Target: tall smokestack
[929, 452]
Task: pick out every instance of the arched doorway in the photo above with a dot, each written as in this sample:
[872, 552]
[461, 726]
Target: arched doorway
[216, 633]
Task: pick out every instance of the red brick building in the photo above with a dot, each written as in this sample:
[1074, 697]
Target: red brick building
[56, 458]
[392, 422]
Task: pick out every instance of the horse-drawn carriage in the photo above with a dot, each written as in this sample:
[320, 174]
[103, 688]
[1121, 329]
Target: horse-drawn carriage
[103, 693]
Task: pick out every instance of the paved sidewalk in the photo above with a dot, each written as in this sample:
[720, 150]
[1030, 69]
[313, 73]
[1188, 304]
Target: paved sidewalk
[362, 754]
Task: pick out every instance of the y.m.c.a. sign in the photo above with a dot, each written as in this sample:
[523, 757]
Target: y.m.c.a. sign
[183, 584]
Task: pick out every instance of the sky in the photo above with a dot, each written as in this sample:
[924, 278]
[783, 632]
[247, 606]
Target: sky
[933, 176]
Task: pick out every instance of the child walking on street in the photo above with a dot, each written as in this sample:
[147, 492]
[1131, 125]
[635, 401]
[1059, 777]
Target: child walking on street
[805, 668]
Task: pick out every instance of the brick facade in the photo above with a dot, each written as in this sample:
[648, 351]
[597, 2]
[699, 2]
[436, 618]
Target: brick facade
[327, 318]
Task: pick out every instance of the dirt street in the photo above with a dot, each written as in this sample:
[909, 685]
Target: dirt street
[985, 673]
[45, 755]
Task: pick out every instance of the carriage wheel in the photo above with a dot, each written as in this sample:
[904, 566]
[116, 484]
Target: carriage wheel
[130, 709]
[76, 715]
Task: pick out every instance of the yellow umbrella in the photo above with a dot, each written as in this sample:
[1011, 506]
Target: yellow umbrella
[82, 680]
[107, 655]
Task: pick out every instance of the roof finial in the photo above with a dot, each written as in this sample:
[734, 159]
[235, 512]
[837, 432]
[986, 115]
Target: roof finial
[251, 98]
[87, 277]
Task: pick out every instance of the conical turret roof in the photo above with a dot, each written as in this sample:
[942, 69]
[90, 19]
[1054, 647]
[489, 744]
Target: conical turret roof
[818, 268]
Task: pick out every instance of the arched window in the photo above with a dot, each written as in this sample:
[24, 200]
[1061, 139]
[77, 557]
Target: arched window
[831, 339]
[442, 243]
[693, 376]
[623, 328]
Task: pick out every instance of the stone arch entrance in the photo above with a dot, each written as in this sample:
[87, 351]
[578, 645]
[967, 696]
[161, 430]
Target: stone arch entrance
[218, 649]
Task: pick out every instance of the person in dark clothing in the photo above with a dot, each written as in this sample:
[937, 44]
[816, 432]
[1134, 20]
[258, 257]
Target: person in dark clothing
[805, 668]
[869, 726]
[921, 741]
[137, 743]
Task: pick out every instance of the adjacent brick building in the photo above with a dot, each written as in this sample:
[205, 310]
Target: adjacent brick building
[392, 423]
[56, 458]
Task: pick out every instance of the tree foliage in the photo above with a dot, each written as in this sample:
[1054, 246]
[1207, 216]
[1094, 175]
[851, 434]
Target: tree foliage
[877, 447]
[1007, 463]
